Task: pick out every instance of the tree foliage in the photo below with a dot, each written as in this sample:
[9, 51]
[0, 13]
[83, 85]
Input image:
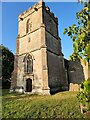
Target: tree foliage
[7, 58]
[80, 33]
[84, 94]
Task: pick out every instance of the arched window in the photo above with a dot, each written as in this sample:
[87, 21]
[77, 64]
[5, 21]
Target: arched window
[28, 26]
[28, 64]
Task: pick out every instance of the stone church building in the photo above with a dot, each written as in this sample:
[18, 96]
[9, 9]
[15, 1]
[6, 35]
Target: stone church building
[39, 65]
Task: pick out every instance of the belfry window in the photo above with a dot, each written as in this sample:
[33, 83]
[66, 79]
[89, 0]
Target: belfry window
[28, 64]
[28, 26]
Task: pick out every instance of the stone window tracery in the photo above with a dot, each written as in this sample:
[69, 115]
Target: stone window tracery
[28, 26]
[28, 64]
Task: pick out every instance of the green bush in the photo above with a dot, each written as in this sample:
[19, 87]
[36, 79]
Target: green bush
[84, 93]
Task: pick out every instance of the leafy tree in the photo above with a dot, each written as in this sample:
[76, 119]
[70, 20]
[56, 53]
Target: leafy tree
[80, 33]
[7, 59]
[84, 95]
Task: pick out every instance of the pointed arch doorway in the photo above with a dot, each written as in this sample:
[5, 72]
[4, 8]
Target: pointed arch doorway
[28, 85]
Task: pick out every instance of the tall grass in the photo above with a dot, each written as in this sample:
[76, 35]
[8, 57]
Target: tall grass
[61, 105]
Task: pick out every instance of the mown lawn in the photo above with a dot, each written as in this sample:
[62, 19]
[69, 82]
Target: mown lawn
[60, 105]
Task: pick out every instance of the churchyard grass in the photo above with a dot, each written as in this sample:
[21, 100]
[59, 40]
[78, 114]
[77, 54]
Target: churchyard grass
[60, 105]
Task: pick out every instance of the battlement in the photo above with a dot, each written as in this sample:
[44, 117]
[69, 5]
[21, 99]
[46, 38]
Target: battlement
[30, 10]
[51, 13]
[34, 8]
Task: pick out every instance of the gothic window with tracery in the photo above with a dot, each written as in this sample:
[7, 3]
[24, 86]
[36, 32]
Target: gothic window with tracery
[28, 26]
[28, 64]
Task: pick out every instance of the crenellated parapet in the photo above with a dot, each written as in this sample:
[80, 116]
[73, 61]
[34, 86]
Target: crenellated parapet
[34, 8]
[30, 10]
[51, 13]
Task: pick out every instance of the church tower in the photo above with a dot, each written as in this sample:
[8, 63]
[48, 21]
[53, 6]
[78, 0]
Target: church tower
[39, 63]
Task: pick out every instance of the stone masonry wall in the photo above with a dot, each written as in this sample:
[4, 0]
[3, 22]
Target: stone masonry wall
[56, 68]
[35, 18]
[37, 72]
[75, 74]
[43, 44]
